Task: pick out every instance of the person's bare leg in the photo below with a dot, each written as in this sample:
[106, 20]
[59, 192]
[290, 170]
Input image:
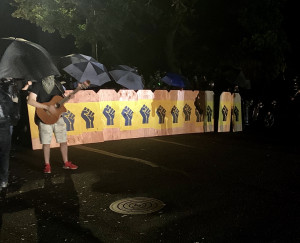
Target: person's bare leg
[64, 151]
[46, 150]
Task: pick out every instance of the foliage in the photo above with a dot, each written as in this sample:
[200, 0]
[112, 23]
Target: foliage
[185, 36]
[88, 21]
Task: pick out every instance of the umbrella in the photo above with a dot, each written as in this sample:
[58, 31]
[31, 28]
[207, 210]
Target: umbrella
[175, 80]
[24, 59]
[82, 67]
[127, 77]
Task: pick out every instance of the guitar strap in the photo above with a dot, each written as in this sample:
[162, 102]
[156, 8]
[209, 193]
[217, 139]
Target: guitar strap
[59, 88]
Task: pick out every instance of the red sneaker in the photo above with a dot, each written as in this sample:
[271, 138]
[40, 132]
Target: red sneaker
[69, 166]
[47, 168]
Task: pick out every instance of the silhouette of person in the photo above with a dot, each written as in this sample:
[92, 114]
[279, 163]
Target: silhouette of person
[9, 116]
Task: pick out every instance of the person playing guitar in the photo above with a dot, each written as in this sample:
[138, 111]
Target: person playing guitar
[40, 97]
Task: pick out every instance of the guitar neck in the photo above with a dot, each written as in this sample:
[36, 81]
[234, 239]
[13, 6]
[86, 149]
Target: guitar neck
[67, 98]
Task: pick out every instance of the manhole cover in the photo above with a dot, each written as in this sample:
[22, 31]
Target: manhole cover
[136, 205]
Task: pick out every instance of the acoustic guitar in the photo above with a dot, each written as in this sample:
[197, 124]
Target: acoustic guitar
[58, 102]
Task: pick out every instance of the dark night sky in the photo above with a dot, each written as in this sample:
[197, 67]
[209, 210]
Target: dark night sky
[58, 46]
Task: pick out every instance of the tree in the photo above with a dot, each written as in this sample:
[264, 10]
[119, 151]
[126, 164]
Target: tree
[111, 24]
[88, 21]
[183, 36]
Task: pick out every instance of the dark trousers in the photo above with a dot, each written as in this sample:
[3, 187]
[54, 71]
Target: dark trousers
[5, 143]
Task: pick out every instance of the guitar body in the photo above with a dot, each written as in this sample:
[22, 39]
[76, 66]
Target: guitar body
[58, 102]
[47, 117]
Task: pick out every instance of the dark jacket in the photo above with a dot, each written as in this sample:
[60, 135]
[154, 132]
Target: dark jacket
[9, 111]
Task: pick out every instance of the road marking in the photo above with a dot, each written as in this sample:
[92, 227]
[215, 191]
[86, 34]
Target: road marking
[99, 151]
[163, 141]
[176, 171]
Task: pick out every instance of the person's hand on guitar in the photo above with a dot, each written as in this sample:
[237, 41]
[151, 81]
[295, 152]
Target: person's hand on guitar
[50, 108]
[79, 86]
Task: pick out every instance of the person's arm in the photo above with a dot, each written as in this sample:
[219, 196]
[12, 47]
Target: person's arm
[27, 85]
[32, 101]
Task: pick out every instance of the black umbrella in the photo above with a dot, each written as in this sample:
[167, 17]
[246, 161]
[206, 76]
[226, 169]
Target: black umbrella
[82, 67]
[26, 60]
[127, 77]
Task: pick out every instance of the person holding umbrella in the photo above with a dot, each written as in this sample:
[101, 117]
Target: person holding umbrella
[21, 131]
[9, 116]
[41, 93]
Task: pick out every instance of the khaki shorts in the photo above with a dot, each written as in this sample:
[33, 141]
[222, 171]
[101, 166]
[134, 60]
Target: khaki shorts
[59, 129]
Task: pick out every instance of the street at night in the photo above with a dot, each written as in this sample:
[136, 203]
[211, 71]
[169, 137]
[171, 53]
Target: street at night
[214, 187]
[175, 121]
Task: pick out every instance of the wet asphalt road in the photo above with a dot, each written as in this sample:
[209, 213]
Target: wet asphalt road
[216, 187]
